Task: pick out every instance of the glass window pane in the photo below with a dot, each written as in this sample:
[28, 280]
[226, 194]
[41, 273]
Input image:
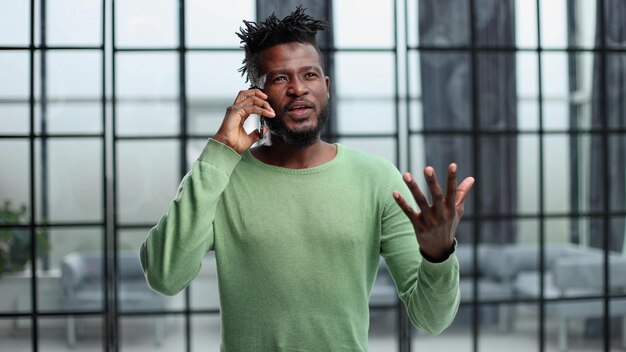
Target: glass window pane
[556, 173]
[582, 84]
[214, 75]
[74, 253]
[148, 176]
[62, 25]
[585, 22]
[205, 333]
[137, 332]
[194, 149]
[514, 328]
[497, 87]
[74, 180]
[353, 17]
[85, 117]
[570, 327]
[615, 90]
[527, 68]
[134, 294]
[528, 174]
[210, 25]
[15, 279]
[147, 118]
[364, 75]
[528, 114]
[366, 116]
[133, 288]
[15, 74]
[147, 76]
[444, 23]
[412, 16]
[494, 22]
[457, 338]
[14, 118]
[67, 240]
[71, 333]
[16, 334]
[556, 115]
[617, 307]
[414, 74]
[204, 289]
[146, 23]
[553, 23]
[212, 85]
[15, 177]
[526, 23]
[205, 116]
[14, 23]
[498, 169]
[617, 162]
[527, 231]
[416, 119]
[383, 147]
[446, 77]
[555, 77]
[615, 30]
[74, 74]
[417, 160]
[383, 335]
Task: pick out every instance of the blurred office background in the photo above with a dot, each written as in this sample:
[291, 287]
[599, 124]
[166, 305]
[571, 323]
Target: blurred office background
[105, 104]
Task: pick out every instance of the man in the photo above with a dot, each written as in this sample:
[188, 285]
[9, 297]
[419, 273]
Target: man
[298, 225]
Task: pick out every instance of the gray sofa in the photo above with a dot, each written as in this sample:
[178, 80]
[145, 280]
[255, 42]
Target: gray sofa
[512, 271]
[82, 281]
[578, 277]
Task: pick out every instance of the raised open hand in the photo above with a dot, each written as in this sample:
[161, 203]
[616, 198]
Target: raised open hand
[435, 224]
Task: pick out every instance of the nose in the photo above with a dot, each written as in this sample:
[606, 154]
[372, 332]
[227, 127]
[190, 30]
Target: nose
[297, 88]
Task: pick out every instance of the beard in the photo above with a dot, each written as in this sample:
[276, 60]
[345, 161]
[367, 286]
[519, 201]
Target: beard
[298, 139]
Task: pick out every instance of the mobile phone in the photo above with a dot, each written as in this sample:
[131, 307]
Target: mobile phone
[261, 126]
[261, 118]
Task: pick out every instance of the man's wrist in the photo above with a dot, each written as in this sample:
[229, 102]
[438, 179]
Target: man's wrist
[441, 257]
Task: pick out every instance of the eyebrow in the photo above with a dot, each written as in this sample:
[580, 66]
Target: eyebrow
[301, 69]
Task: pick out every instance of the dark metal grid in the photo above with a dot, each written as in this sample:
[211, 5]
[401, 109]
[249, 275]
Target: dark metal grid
[606, 182]
[111, 313]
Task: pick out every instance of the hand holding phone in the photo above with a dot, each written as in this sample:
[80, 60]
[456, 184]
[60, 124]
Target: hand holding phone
[232, 133]
[261, 119]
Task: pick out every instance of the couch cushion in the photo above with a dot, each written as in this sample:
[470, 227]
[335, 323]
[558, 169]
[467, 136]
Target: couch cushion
[574, 273]
[510, 260]
[487, 290]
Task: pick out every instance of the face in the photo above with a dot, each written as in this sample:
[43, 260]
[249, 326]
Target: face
[297, 90]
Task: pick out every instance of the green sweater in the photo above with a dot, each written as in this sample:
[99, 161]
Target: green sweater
[297, 250]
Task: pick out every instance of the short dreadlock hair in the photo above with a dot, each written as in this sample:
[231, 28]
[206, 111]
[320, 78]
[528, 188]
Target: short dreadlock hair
[256, 37]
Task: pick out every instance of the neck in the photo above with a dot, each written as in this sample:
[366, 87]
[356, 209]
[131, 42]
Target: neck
[279, 153]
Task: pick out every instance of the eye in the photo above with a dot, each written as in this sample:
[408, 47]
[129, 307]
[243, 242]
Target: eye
[280, 79]
[310, 75]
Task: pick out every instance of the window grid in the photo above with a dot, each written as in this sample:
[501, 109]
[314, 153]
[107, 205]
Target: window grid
[109, 138]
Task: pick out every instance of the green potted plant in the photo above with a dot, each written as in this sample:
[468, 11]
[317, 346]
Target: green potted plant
[15, 242]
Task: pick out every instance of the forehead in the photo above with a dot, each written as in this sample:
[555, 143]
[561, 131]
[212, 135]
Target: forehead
[289, 56]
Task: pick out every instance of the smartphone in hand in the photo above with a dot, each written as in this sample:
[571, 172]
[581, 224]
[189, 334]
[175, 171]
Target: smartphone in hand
[261, 118]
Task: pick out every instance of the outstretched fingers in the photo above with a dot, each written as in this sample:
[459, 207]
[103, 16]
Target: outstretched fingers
[451, 188]
[418, 195]
[435, 191]
[463, 189]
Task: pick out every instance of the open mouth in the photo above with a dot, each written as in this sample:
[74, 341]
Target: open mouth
[300, 110]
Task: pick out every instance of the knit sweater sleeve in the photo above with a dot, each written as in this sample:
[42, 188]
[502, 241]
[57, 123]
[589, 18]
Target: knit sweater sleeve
[430, 291]
[172, 253]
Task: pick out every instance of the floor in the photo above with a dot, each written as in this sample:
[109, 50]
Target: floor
[138, 335]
